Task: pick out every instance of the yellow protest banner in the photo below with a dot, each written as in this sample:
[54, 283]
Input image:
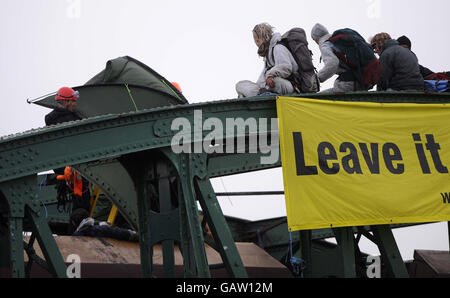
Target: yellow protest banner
[357, 163]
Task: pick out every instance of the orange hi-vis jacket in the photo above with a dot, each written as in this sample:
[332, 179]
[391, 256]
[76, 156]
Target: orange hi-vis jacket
[74, 179]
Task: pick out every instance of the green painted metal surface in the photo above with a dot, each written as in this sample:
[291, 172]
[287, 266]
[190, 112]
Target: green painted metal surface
[125, 85]
[118, 154]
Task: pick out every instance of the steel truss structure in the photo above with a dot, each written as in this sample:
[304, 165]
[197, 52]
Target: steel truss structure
[129, 158]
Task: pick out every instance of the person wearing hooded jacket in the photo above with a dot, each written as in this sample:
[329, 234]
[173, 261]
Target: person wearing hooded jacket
[400, 66]
[346, 82]
[278, 67]
[406, 43]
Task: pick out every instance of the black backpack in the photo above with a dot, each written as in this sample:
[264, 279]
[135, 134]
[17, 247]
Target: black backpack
[352, 50]
[296, 42]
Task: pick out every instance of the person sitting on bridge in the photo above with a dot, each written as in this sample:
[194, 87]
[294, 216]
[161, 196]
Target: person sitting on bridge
[406, 43]
[66, 100]
[400, 66]
[83, 225]
[279, 65]
[346, 80]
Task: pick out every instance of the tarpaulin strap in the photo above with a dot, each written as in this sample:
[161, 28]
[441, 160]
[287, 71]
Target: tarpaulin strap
[41, 97]
[131, 96]
[171, 89]
[297, 264]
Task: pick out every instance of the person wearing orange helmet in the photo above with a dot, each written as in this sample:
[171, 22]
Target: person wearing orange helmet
[71, 187]
[66, 100]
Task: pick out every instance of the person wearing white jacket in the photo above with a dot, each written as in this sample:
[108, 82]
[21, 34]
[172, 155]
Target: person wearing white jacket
[332, 65]
[278, 68]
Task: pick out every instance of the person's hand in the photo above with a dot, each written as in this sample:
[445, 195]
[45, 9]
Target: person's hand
[270, 82]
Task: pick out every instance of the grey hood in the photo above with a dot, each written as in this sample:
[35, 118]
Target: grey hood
[318, 32]
[276, 37]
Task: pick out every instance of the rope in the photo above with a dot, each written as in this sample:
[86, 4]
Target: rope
[131, 96]
[223, 184]
[297, 264]
[40, 195]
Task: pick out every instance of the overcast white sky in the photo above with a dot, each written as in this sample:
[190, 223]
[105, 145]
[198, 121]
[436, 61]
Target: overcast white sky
[207, 47]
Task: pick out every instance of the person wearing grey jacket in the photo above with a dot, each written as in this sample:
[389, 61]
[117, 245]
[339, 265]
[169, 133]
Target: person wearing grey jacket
[278, 67]
[332, 65]
[400, 67]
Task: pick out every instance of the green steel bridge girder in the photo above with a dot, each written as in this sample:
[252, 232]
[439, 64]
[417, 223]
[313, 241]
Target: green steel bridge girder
[93, 147]
[82, 144]
[111, 136]
[109, 141]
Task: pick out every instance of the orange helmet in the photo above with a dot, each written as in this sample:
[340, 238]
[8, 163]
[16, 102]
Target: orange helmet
[66, 93]
[177, 86]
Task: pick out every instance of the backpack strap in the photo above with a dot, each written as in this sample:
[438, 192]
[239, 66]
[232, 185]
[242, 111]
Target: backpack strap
[273, 56]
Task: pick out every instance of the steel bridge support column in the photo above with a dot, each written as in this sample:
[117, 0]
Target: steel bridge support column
[17, 264]
[185, 243]
[389, 251]
[47, 243]
[166, 210]
[346, 242]
[194, 183]
[156, 224]
[306, 251]
[143, 206]
[220, 230]
[190, 210]
[170, 224]
[23, 202]
[4, 248]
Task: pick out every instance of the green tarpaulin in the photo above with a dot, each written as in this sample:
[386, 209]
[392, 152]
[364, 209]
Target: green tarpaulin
[124, 85]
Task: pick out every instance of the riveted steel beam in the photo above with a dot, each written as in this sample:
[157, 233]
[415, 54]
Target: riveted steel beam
[47, 244]
[88, 141]
[165, 225]
[389, 251]
[20, 193]
[346, 242]
[15, 229]
[219, 228]
[115, 182]
[190, 211]
[111, 136]
[114, 135]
